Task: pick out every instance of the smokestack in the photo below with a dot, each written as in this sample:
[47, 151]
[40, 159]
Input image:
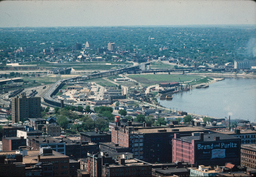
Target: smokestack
[229, 127]
[201, 136]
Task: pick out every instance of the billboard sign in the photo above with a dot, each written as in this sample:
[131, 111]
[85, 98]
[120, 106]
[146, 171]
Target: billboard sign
[217, 150]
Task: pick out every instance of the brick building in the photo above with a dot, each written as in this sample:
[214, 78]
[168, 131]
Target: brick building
[95, 137]
[59, 161]
[52, 129]
[76, 149]
[24, 108]
[206, 149]
[247, 136]
[129, 167]
[37, 142]
[13, 143]
[152, 144]
[11, 131]
[248, 155]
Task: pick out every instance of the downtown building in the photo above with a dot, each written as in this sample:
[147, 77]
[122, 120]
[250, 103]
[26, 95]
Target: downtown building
[24, 108]
[206, 149]
[151, 144]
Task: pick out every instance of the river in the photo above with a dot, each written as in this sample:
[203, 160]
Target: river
[233, 96]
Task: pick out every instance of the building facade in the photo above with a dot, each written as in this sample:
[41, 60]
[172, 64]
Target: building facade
[13, 143]
[206, 149]
[248, 155]
[24, 108]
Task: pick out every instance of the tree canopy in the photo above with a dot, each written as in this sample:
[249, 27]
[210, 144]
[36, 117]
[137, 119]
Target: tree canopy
[122, 112]
[62, 122]
[187, 119]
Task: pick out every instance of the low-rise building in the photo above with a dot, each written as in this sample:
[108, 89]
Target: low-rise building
[34, 122]
[95, 137]
[59, 161]
[36, 142]
[13, 143]
[126, 167]
[52, 129]
[11, 131]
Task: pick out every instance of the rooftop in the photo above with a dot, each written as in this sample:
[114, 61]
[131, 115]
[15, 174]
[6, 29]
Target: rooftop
[36, 119]
[171, 170]
[129, 163]
[44, 140]
[208, 137]
[243, 131]
[173, 130]
[32, 156]
[249, 146]
[93, 133]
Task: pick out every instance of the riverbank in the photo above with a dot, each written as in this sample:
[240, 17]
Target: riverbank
[224, 75]
[234, 97]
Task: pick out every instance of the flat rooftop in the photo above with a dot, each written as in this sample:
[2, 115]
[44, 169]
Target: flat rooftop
[249, 146]
[44, 140]
[209, 137]
[223, 131]
[129, 163]
[93, 134]
[32, 156]
[172, 130]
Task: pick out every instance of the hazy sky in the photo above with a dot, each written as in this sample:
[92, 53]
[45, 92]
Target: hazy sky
[126, 12]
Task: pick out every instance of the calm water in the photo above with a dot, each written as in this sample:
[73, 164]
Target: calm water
[234, 97]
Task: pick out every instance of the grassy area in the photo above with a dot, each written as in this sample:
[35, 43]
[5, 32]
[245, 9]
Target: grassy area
[102, 82]
[113, 77]
[201, 81]
[151, 79]
[160, 65]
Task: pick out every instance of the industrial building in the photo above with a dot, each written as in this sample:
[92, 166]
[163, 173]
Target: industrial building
[206, 149]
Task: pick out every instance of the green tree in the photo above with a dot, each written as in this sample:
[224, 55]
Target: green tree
[149, 120]
[9, 117]
[80, 108]
[117, 103]
[140, 118]
[89, 125]
[187, 119]
[72, 108]
[101, 109]
[47, 109]
[109, 115]
[128, 117]
[56, 110]
[101, 124]
[160, 121]
[67, 108]
[178, 119]
[88, 108]
[119, 87]
[62, 122]
[122, 112]
[207, 119]
[69, 114]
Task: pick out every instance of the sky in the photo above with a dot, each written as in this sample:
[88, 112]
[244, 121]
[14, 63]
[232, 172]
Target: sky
[42, 13]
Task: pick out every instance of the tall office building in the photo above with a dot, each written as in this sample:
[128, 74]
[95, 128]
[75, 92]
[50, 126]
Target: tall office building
[24, 108]
[111, 46]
